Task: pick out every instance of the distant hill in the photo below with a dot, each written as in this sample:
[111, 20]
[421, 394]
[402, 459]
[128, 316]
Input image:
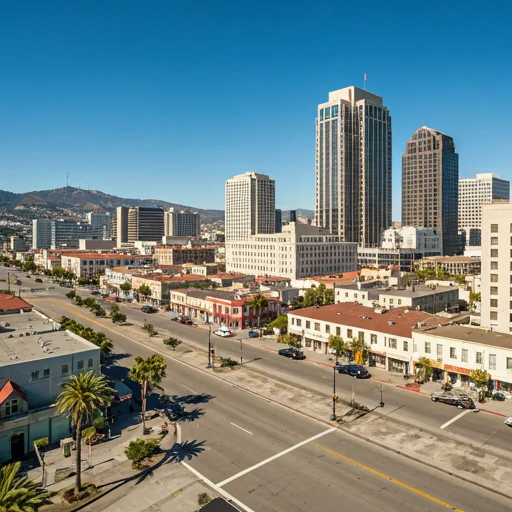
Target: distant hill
[82, 201]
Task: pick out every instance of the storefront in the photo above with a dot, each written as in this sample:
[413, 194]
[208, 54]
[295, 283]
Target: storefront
[457, 376]
[398, 364]
[377, 359]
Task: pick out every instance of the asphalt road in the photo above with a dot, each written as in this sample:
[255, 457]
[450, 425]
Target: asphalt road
[477, 428]
[272, 459]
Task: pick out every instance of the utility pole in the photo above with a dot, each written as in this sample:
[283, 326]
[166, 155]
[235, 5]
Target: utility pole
[241, 352]
[209, 343]
[334, 397]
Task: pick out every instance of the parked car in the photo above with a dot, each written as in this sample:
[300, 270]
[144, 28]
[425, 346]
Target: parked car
[95, 292]
[461, 400]
[508, 422]
[28, 275]
[39, 280]
[254, 334]
[148, 309]
[354, 370]
[223, 333]
[292, 353]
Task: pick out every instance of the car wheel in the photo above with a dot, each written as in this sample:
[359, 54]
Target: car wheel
[433, 398]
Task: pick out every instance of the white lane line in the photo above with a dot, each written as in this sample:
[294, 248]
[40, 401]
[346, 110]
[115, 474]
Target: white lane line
[463, 413]
[238, 426]
[274, 457]
[216, 488]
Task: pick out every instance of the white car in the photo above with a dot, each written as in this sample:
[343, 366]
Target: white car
[508, 422]
[223, 333]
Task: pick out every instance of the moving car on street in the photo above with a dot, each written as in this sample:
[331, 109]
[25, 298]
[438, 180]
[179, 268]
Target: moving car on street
[461, 400]
[508, 422]
[354, 370]
[292, 353]
[148, 309]
[254, 334]
[38, 280]
[223, 332]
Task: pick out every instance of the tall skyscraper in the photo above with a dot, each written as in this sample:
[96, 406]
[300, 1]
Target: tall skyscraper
[430, 181]
[121, 231]
[250, 206]
[473, 193]
[182, 223]
[41, 233]
[279, 221]
[496, 309]
[353, 166]
[99, 225]
[145, 224]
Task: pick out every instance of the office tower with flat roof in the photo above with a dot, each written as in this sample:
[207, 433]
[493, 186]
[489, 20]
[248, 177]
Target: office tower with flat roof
[182, 223]
[279, 221]
[41, 233]
[473, 194]
[99, 225]
[430, 185]
[250, 206]
[145, 224]
[121, 227]
[353, 166]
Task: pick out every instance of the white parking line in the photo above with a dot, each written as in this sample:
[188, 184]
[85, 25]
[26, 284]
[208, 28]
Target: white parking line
[463, 413]
[274, 457]
[238, 426]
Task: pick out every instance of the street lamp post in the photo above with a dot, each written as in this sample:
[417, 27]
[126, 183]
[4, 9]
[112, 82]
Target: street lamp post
[334, 397]
[241, 352]
[209, 343]
[381, 401]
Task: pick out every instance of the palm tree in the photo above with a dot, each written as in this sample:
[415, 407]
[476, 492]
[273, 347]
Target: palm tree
[84, 394]
[20, 494]
[149, 374]
[258, 302]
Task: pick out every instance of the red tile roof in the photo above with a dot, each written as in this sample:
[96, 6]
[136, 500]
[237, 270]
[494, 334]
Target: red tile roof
[272, 279]
[351, 315]
[13, 303]
[8, 389]
[104, 256]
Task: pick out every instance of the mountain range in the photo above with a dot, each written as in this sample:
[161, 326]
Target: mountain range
[82, 201]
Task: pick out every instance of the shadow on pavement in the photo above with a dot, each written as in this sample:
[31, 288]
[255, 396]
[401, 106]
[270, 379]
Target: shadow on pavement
[193, 399]
[185, 450]
[189, 416]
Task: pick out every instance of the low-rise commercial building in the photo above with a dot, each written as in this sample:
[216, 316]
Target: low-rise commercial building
[453, 265]
[178, 255]
[90, 265]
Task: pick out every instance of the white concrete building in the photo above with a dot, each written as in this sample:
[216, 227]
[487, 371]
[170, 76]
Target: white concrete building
[181, 223]
[475, 192]
[42, 233]
[91, 265]
[497, 266]
[300, 250]
[250, 206]
[424, 240]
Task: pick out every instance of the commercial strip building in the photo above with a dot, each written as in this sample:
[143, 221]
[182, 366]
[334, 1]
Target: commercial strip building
[453, 265]
[497, 267]
[91, 265]
[473, 194]
[178, 255]
[430, 181]
[300, 250]
[353, 166]
[36, 358]
[182, 223]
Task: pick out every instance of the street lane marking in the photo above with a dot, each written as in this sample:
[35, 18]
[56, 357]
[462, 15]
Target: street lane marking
[217, 488]
[389, 479]
[276, 456]
[237, 426]
[448, 423]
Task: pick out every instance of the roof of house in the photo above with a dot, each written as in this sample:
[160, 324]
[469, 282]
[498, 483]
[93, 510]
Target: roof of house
[173, 279]
[272, 279]
[420, 290]
[474, 335]
[342, 278]
[13, 303]
[104, 256]
[352, 314]
[226, 275]
[452, 259]
[9, 388]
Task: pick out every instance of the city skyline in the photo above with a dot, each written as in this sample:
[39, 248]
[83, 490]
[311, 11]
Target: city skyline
[104, 107]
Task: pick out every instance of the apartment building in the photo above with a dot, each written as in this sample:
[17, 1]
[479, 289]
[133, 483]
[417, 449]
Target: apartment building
[182, 223]
[353, 166]
[300, 250]
[179, 255]
[430, 181]
[497, 266]
[91, 265]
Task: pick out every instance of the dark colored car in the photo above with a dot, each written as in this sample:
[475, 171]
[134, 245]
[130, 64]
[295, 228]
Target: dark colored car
[148, 309]
[39, 280]
[354, 370]
[292, 353]
[254, 334]
[95, 292]
[461, 400]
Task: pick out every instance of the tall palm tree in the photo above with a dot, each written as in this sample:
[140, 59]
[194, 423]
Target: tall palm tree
[83, 395]
[19, 493]
[258, 302]
[149, 374]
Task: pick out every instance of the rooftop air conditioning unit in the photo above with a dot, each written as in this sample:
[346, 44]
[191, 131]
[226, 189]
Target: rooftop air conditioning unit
[390, 322]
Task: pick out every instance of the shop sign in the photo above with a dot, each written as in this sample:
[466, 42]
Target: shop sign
[456, 369]
[399, 358]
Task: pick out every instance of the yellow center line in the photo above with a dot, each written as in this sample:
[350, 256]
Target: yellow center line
[389, 478]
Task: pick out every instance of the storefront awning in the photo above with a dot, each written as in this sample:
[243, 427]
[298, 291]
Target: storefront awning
[399, 358]
[123, 392]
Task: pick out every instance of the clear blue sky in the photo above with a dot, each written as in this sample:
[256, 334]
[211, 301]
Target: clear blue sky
[167, 99]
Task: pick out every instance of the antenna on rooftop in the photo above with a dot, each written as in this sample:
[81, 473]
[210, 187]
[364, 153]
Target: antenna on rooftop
[364, 82]
[67, 177]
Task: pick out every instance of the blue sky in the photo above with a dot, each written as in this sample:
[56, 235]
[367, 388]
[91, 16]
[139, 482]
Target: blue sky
[168, 99]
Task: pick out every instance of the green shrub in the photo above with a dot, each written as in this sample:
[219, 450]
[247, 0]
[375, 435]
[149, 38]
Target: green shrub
[227, 362]
[42, 443]
[172, 342]
[100, 424]
[139, 450]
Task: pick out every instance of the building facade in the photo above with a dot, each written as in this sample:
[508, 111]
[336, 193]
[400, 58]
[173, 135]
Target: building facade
[497, 267]
[99, 225]
[178, 255]
[121, 226]
[145, 224]
[353, 166]
[473, 193]
[41, 234]
[182, 223]
[17, 244]
[250, 206]
[89, 265]
[452, 265]
[430, 180]
[300, 250]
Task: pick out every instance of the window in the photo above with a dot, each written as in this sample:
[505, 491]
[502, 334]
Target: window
[235, 311]
[494, 303]
[299, 322]
[34, 375]
[453, 353]
[308, 324]
[494, 315]
[494, 290]
[406, 346]
[494, 278]
[349, 333]
[373, 339]
[427, 347]
[479, 358]
[317, 326]
[392, 343]
[399, 302]
[360, 336]
[89, 363]
[494, 228]
[494, 253]
[11, 407]
[494, 240]
[439, 353]
[494, 265]
[492, 361]
[509, 363]
[293, 320]
[327, 328]
[338, 331]
[46, 373]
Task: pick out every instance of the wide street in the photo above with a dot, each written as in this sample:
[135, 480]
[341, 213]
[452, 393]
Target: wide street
[272, 459]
